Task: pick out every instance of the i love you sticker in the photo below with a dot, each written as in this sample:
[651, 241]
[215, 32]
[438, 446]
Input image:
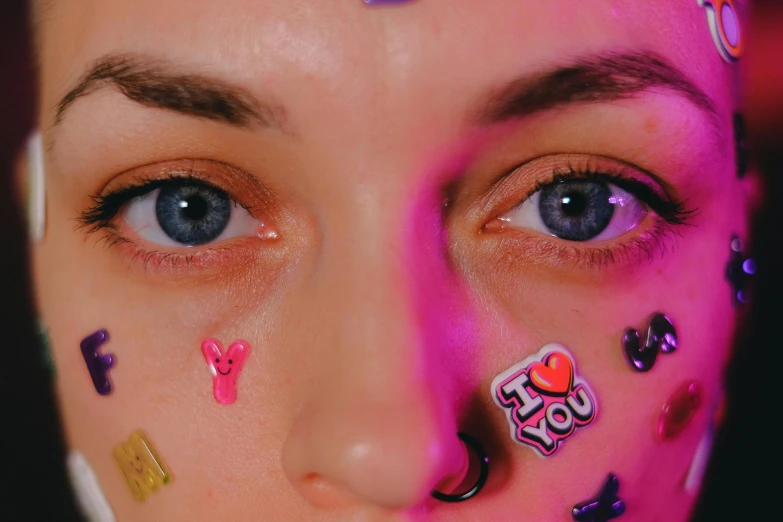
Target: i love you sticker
[544, 400]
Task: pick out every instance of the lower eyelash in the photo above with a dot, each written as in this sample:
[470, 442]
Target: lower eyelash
[172, 261]
[653, 243]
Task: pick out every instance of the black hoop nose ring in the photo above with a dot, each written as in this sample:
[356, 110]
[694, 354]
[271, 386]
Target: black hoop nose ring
[480, 481]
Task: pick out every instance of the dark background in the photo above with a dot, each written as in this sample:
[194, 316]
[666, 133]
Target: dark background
[742, 482]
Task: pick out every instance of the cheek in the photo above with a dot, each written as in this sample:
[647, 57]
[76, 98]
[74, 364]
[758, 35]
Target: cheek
[588, 315]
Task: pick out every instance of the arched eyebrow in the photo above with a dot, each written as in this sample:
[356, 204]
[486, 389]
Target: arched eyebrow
[590, 79]
[156, 83]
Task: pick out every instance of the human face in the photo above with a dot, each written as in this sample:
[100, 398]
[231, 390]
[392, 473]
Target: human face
[386, 253]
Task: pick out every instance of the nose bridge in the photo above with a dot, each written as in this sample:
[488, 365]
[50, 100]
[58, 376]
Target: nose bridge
[387, 295]
[384, 429]
[368, 290]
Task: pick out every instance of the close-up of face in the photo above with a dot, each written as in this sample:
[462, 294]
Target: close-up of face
[428, 260]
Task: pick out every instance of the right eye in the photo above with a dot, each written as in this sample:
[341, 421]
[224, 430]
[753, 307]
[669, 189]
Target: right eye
[184, 213]
[579, 210]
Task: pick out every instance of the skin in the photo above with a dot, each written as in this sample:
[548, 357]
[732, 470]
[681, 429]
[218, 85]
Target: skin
[377, 327]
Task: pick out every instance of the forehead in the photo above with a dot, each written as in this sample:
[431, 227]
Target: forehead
[427, 50]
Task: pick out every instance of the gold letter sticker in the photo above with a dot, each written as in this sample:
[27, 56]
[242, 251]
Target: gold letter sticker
[144, 470]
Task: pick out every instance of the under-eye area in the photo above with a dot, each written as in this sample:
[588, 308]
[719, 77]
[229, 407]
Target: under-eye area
[583, 210]
[177, 214]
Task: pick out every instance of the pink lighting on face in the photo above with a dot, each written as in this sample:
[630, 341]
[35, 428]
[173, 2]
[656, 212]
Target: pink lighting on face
[225, 367]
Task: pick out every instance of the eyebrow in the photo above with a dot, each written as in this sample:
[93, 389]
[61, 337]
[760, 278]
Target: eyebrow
[590, 79]
[155, 83]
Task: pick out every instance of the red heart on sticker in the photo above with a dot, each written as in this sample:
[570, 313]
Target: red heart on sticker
[553, 378]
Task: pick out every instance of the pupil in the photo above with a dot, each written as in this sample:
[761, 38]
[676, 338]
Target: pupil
[194, 208]
[574, 204]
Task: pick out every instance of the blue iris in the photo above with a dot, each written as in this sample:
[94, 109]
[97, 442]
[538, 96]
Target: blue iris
[576, 210]
[192, 214]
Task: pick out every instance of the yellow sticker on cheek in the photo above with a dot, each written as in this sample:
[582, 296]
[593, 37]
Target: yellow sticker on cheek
[139, 462]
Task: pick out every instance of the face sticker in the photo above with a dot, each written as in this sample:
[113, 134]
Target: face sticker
[678, 410]
[739, 271]
[89, 495]
[97, 364]
[701, 457]
[661, 335]
[225, 367]
[139, 462]
[725, 28]
[545, 401]
[36, 187]
[606, 505]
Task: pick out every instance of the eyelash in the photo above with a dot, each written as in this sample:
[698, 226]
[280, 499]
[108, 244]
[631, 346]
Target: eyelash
[672, 211]
[673, 214]
[105, 207]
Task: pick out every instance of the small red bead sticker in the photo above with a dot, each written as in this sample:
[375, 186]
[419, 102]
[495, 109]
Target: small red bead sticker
[678, 410]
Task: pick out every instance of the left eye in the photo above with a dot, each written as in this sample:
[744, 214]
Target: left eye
[188, 214]
[578, 210]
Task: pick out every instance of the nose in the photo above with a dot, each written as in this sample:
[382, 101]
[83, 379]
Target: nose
[378, 422]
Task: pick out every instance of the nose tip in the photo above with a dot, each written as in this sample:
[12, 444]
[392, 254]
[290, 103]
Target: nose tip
[389, 460]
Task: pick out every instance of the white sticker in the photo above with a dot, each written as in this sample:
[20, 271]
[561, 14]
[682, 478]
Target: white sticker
[701, 458]
[544, 399]
[699, 463]
[36, 187]
[93, 503]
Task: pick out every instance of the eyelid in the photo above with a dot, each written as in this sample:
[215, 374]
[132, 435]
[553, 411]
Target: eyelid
[242, 187]
[521, 182]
